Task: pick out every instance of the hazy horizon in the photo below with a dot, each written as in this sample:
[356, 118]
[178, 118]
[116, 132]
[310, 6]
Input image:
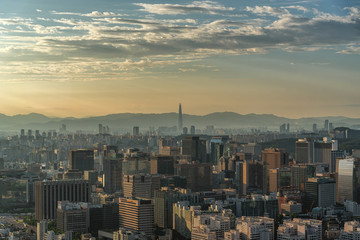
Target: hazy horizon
[173, 112]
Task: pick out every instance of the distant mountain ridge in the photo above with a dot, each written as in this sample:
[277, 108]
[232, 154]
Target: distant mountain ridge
[122, 121]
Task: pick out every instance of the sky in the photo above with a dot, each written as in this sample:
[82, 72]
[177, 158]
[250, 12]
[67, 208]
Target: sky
[291, 58]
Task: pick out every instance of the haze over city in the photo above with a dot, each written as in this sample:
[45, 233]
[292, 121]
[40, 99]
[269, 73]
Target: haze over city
[89, 58]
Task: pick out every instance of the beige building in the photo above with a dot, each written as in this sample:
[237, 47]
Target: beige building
[137, 215]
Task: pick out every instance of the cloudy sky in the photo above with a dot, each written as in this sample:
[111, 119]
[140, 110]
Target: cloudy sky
[291, 58]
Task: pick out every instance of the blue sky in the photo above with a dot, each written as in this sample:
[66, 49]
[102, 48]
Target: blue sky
[72, 58]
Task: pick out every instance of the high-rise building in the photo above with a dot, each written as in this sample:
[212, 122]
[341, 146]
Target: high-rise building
[347, 186]
[30, 191]
[300, 173]
[185, 130]
[304, 151]
[183, 217]
[162, 165]
[72, 217]
[164, 200]
[335, 156]
[279, 177]
[260, 205]
[137, 186]
[113, 175]
[136, 131]
[195, 148]
[41, 229]
[326, 125]
[101, 129]
[198, 175]
[81, 159]
[255, 178]
[105, 216]
[275, 157]
[180, 119]
[319, 192]
[192, 130]
[314, 128]
[48, 193]
[137, 215]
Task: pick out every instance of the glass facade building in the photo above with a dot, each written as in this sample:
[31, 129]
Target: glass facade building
[347, 182]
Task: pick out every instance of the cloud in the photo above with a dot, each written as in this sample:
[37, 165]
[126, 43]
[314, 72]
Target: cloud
[267, 10]
[210, 7]
[350, 50]
[118, 43]
[38, 10]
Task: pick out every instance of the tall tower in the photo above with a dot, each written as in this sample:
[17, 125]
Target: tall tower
[180, 120]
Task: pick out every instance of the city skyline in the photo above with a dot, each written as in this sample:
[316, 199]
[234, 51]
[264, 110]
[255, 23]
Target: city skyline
[292, 59]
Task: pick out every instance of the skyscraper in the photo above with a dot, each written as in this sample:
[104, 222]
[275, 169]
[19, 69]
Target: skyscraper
[137, 215]
[347, 181]
[82, 159]
[180, 120]
[48, 193]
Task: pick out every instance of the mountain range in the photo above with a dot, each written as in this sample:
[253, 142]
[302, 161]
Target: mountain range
[125, 121]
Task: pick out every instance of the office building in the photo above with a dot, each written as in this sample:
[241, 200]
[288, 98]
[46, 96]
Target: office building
[300, 173]
[137, 215]
[183, 217]
[347, 184]
[91, 176]
[260, 205]
[254, 149]
[48, 193]
[253, 228]
[105, 216]
[72, 217]
[113, 175]
[162, 165]
[279, 177]
[198, 175]
[82, 159]
[192, 130]
[335, 155]
[41, 229]
[136, 131]
[319, 192]
[326, 125]
[195, 148]
[290, 208]
[300, 229]
[304, 151]
[275, 157]
[314, 128]
[353, 207]
[164, 200]
[217, 149]
[137, 186]
[255, 178]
